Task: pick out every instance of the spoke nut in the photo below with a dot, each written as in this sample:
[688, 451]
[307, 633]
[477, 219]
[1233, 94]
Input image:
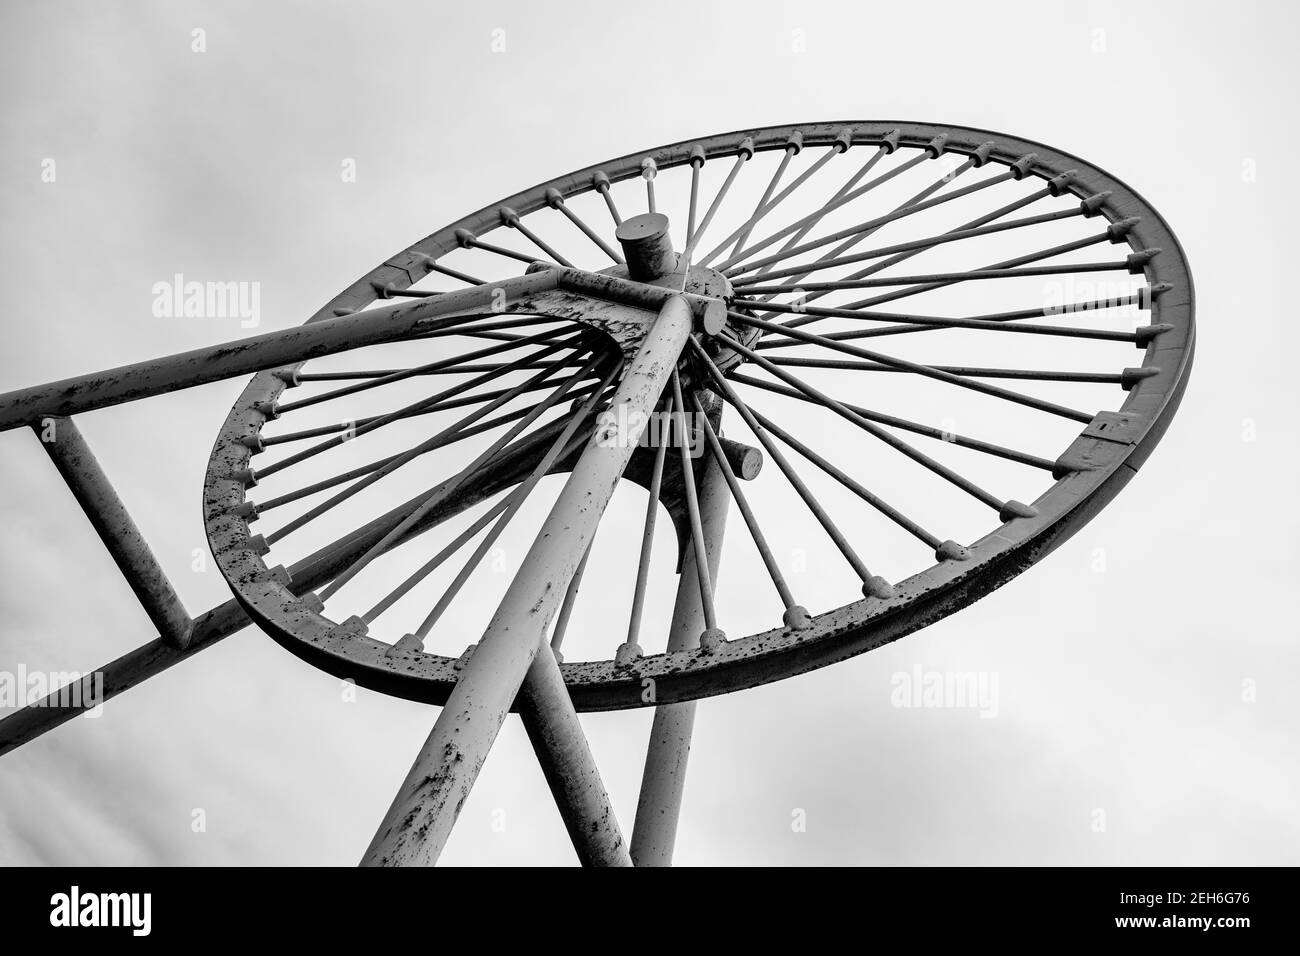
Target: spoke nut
[877, 587]
[712, 639]
[797, 618]
[627, 654]
[951, 551]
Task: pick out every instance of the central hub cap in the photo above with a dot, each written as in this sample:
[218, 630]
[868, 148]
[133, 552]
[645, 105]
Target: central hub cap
[651, 259]
[647, 247]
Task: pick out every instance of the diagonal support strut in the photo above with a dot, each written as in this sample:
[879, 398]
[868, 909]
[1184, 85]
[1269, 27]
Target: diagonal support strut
[419, 821]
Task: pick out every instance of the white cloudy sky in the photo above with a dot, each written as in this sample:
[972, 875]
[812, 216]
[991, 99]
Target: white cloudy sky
[1120, 690]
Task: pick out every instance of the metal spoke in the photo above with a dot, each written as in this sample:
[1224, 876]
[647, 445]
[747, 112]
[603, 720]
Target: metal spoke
[697, 163]
[788, 152]
[450, 439]
[1024, 374]
[602, 186]
[952, 438]
[556, 201]
[872, 585]
[1142, 298]
[438, 441]
[484, 330]
[809, 223]
[457, 402]
[515, 322]
[917, 323]
[933, 151]
[407, 410]
[565, 441]
[927, 370]
[915, 245]
[796, 615]
[445, 490]
[511, 219]
[432, 265]
[819, 214]
[648, 172]
[570, 598]
[410, 372]
[946, 277]
[1004, 508]
[841, 145]
[836, 253]
[468, 240]
[430, 368]
[1133, 263]
[903, 521]
[736, 267]
[458, 542]
[476, 333]
[746, 151]
[388, 290]
[1087, 207]
[712, 634]
[633, 649]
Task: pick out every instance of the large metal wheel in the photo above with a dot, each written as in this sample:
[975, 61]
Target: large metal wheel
[1053, 307]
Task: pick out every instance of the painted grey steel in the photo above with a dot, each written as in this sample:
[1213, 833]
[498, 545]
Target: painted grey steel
[420, 819]
[566, 761]
[80, 469]
[647, 304]
[663, 782]
[947, 586]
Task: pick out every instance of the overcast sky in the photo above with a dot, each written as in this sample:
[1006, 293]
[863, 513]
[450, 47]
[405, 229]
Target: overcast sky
[1146, 670]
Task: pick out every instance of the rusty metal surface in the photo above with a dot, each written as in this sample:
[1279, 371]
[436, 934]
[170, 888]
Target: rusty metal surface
[647, 249]
[306, 575]
[1094, 468]
[418, 823]
[565, 758]
[326, 335]
[939, 590]
[647, 305]
[663, 781]
[76, 462]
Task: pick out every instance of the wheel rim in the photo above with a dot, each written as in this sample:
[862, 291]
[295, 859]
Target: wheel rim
[1085, 473]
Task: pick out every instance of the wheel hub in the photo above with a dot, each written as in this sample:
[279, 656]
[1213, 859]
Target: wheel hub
[652, 261]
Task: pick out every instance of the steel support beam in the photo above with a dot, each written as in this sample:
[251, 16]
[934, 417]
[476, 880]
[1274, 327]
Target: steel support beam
[72, 456]
[562, 750]
[257, 353]
[372, 326]
[307, 575]
[419, 821]
[655, 831]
